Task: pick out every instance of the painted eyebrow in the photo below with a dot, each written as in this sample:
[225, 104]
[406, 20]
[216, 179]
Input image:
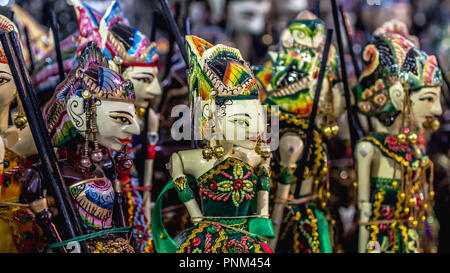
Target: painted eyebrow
[4, 72]
[432, 93]
[122, 112]
[146, 73]
[242, 114]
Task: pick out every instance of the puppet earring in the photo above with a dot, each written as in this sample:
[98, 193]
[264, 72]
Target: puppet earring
[262, 148]
[21, 120]
[219, 151]
[123, 158]
[329, 127]
[97, 154]
[432, 124]
[406, 134]
[85, 161]
[207, 151]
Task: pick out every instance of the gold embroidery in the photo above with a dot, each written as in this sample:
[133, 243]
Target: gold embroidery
[219, 168]
[186, 243]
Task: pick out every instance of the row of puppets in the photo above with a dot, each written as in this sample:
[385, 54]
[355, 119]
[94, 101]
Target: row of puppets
[69, 145]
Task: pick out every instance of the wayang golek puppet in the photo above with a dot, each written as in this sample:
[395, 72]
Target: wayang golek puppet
[18, 228]
[233, 179]
[90, 114]
[400, 87]
[131, 54]
[302, 223]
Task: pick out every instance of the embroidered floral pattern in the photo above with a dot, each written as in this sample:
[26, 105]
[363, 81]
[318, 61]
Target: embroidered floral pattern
[237, 186]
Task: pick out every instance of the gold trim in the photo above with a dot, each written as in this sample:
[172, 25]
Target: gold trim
[87, 181]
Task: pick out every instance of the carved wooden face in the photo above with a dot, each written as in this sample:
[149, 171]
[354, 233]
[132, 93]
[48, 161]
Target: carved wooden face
[145, 82]
[8, 89]
[241, 122]
[426, 103]
[116, 121]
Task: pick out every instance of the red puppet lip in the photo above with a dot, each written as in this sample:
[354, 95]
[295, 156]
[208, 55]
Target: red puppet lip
[124, 141]
[253, 139]
[148, 100]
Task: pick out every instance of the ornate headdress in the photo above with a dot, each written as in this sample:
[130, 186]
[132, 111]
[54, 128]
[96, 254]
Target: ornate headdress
[217, 73]
[20, 120]
[7, 25]
[91, 79]
[290, 80]
[125, 45]
[391, 58]
[305, 26]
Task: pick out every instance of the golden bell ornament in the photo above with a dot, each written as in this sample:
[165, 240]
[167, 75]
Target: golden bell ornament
[401, 138]
[207, 153]
[140, 111]
[434, 125]
[335, 130]
[412, 138]
[219, 151]
[265, 152]
[258, 148]
[326, 131]
[21, 122]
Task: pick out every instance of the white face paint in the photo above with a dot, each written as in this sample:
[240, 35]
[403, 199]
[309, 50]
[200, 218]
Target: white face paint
[243, 123]
[116, 121]
[8, 89]
[249, 16]
[425, 103]
[145, 82]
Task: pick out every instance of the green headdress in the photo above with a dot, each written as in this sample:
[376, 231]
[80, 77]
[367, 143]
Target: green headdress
[216, 74]
[388, 59]
[290, 82]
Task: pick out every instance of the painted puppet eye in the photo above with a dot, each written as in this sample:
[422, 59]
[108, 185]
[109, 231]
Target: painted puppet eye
[4, 80]
[146, 79]
[429, 99]
[122, 119]
[241, 121]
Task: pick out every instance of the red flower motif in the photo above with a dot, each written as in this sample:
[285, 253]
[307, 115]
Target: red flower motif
[196, 241]
[213, 185]
[391, 140]
[408, 157]
[387, 212]
[238, 184]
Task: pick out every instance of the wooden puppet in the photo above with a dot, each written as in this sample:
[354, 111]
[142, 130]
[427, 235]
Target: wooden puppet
[233, 180]
[90, 114]
[302, 223]
[400, 88]
[130, 53]
[18, 228]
